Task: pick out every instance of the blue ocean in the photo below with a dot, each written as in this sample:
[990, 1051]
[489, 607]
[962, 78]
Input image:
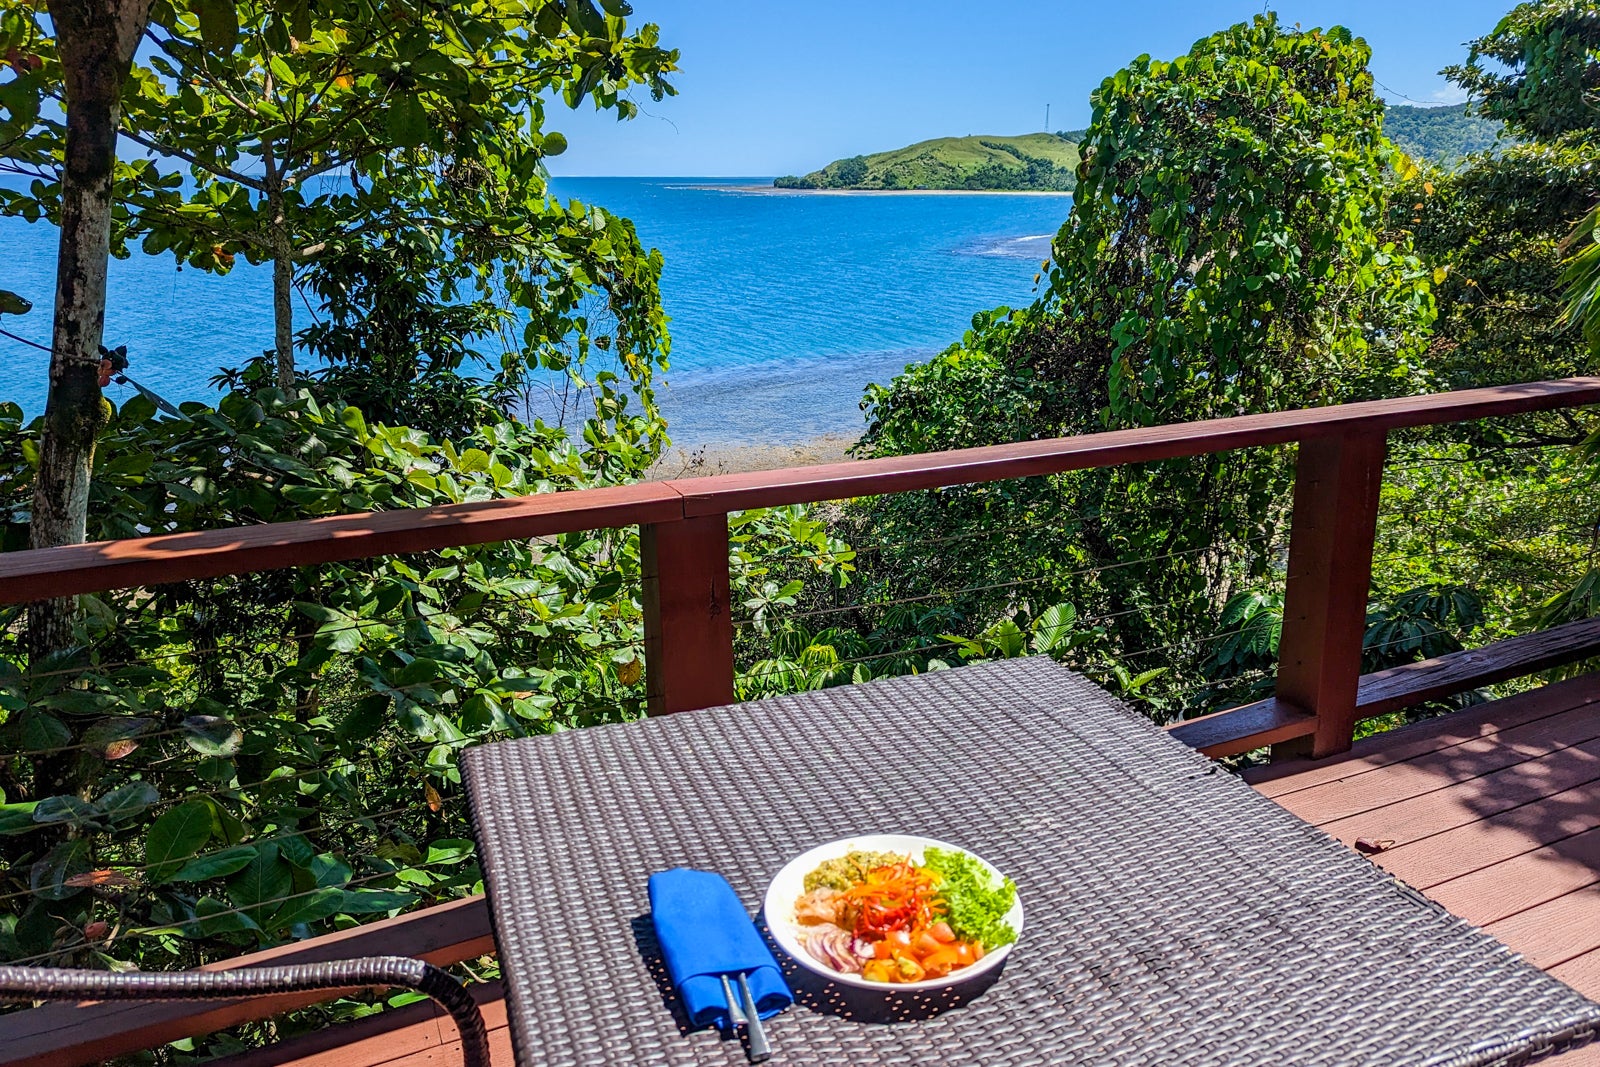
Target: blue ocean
[783, 305]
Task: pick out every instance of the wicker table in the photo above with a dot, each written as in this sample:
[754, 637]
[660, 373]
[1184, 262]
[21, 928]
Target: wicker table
[1174, 915]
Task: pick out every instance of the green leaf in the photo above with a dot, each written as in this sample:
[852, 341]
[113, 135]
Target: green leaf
[548, 21]
[300, 19]
[17, 818]
[112, 739]
[1053, 628]
[619, 8]
[554, 144]
[216, 864]
[219, 25]
[296, 849]
[352, 418]
[175, 837]
[366, 719]
[37, 732]
[449, 850]
[47, 878]
[41, 924]
[585, 19]
[329, 870]
[126, 801]
[408, 120]
[13, 304]
[607, 587]
[261, 884]
[81, 702]
[474, 460]
[74, 811]
[306, 907]
[213, 918]
[373, 901]
[212, 735]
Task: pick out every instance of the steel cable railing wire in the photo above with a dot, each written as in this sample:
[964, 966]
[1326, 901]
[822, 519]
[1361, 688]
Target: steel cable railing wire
[1077, 621]
[130, 870]
[280, 639]
[1044, 524]
[1409, 515]
[996, 586]
[32, 983]
[272, 713]
[238, 910]
[412, 749]
[287, 832]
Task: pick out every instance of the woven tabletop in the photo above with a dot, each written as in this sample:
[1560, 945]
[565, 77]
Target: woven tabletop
[1174, 915]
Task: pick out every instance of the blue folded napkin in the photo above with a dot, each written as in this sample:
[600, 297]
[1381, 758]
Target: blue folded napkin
[705, 932]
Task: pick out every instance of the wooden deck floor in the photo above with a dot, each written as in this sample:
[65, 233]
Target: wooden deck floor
[1494, 812]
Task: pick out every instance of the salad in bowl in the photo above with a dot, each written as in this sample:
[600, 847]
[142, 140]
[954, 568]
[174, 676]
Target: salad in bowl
[894, 910]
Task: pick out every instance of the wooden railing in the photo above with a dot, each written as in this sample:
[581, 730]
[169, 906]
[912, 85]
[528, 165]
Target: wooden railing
[684, 525]
[1320, 693]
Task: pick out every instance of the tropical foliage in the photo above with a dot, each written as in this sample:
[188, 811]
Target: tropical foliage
[1229, 251]
[208, 766]
[1444, 136]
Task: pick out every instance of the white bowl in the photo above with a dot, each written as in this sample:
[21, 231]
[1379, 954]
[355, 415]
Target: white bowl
[789, 884]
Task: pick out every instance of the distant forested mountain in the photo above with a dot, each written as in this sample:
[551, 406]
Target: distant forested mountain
[1443, 135]
[1034, 161]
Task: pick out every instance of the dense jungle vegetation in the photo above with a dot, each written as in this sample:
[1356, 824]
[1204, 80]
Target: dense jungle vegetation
[196, 770]
[1443, 136]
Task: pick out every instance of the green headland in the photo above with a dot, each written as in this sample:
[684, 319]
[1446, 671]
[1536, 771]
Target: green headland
[1033, 161]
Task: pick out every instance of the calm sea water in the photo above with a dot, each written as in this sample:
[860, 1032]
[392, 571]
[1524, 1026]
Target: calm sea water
[783, 305]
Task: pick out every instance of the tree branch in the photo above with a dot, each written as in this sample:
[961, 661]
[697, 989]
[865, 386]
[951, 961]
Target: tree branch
[226, 173]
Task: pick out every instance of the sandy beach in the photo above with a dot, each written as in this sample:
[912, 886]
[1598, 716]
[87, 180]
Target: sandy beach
[772, 190]
[705, 460]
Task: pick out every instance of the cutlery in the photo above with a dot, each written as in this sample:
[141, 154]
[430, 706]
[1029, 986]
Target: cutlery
[759, 1051]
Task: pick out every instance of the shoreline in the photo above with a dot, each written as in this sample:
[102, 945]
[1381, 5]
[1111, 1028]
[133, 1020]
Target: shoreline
[702, 461]
[772, 190]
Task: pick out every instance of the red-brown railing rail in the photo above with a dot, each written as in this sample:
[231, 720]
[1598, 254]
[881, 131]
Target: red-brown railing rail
[684, 524]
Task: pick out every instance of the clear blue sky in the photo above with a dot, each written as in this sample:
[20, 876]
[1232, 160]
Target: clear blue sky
[783, 86]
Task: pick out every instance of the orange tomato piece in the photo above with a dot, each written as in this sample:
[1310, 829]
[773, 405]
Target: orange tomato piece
[926, 945]
[944, 961]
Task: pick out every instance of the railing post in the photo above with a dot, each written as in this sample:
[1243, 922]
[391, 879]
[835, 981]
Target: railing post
[1338, 481]
[688, 625]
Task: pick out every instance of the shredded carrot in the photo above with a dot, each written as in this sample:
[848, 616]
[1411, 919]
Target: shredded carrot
[897, 896]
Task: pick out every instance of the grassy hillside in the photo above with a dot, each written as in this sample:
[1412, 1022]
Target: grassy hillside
[1442, 135]
[1031, 161]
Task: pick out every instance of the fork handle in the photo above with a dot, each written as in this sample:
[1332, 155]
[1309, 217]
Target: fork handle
[735, 1016]
[760, 1051]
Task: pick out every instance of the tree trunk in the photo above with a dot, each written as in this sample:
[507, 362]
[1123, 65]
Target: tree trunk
[96, 41]
[283, 315]
[282, 276]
